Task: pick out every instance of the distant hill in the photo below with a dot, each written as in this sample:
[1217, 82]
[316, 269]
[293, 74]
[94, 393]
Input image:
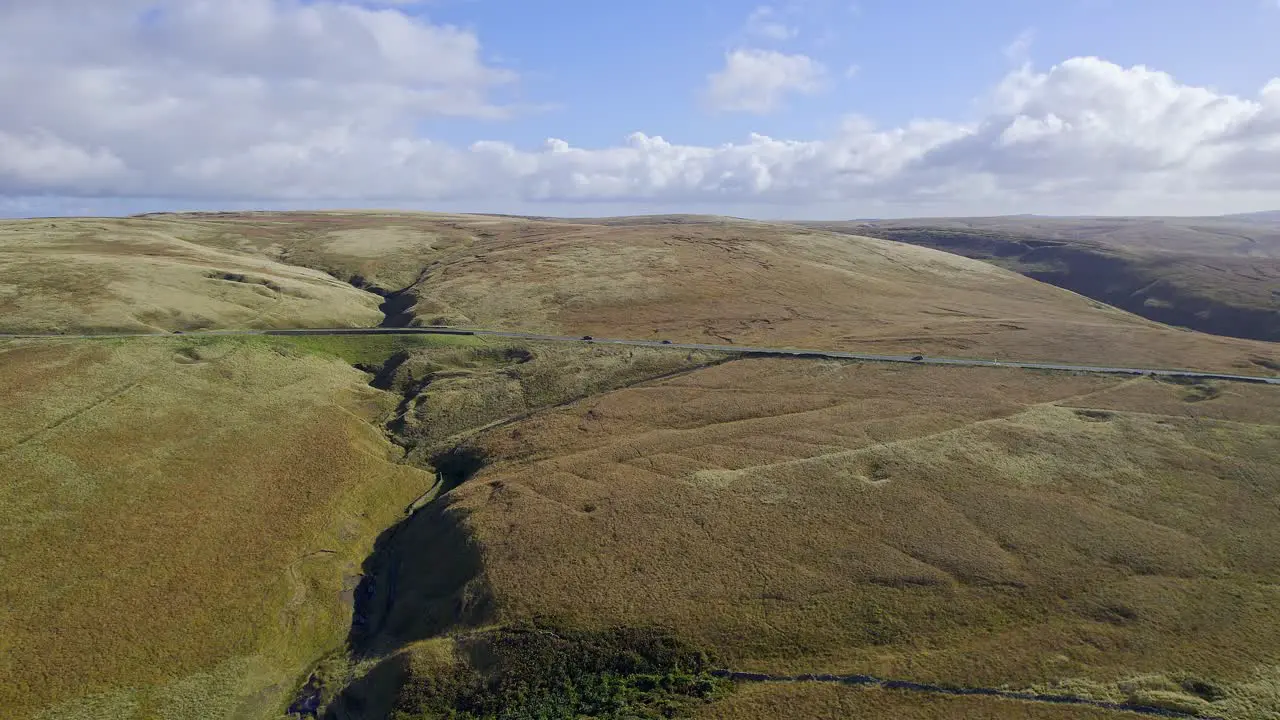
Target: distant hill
[1218, 275]
[1264, 216]
[682, 278]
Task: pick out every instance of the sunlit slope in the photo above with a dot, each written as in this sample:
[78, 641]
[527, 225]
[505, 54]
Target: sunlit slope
[179, 522]
[702, 279]
[718, 281]
[978, 528]
[1217, 275]
[102, 275]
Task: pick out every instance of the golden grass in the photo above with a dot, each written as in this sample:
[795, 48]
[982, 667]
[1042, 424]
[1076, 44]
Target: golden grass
[387, 249]
[701, 279]
[976, 527]
[185, 515]
[759, 284]
[1227, 259]
[73, 276]
[180, 521]
[813, 701]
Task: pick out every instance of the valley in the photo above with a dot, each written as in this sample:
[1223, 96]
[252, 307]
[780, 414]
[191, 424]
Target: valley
[409, 525]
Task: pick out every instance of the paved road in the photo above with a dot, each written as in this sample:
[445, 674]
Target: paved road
[739, 349]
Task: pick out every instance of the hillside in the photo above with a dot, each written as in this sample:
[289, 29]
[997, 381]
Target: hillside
[691, 279]
[178, 520]
[1100, 538]
[407, 527]
[82, 275]
[186, 519]
[1215, 275]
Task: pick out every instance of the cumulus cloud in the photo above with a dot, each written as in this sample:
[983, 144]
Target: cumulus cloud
[284, 101]
[758, 81]
[164, 86]
[1086, 135]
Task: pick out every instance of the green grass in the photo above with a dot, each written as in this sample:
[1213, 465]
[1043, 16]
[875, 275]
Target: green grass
[180, 519]
[369, 350]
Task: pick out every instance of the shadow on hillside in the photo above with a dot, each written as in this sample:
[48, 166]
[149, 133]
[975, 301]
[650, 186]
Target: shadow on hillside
[1131, 282]
[424, 578]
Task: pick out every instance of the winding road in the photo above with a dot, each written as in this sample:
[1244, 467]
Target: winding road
[736, 349]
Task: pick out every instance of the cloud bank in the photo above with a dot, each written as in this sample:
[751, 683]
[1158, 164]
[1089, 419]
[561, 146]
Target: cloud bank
[281, 101]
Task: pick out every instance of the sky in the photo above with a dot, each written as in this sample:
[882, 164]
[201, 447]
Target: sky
[800, 109]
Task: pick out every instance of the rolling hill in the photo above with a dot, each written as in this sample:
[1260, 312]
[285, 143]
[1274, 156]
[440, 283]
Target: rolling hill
[1218, 275]
[411, 526]
[71, 276]
[682, 278]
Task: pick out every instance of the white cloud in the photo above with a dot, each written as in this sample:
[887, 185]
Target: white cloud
[281, 101]
[765, 23]
[166, 85]
[1019, 49]
[40, 160]
[757, 81]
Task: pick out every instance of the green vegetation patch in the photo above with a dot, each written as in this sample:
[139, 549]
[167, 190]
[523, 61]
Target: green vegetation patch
[369, 351]
[538, 670]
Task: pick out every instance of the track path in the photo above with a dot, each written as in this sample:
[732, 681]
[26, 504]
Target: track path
[908, 686]
[749, 351]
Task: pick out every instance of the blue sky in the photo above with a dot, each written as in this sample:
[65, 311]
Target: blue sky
[612, 68]
[869, 108]
[608, 69]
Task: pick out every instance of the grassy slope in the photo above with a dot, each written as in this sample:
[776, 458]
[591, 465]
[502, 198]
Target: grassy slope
[695, 279]
[938, 524]
[718, 280]
[188, 518]
[74, 276]
[449, 395]
[178, 522]
[1216, 275]
[974, 527]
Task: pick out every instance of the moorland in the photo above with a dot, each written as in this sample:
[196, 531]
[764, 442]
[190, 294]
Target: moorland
[419, 526]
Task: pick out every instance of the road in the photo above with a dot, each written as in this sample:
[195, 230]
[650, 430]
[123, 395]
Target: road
[738, 349]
